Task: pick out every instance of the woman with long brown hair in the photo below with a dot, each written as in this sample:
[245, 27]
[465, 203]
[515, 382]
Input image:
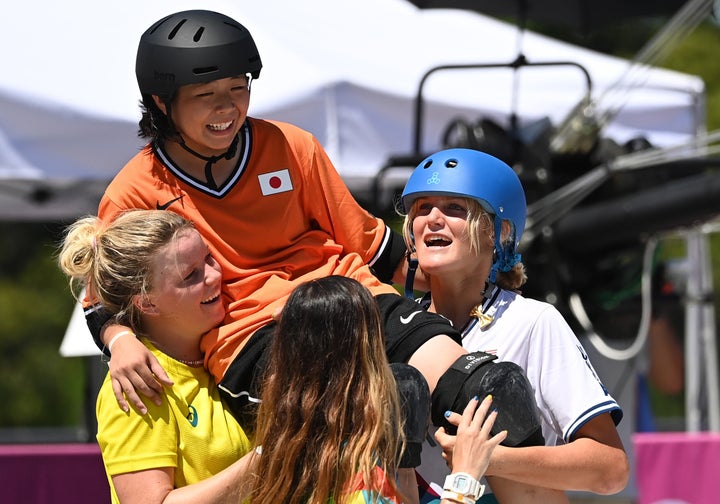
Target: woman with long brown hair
[330, 423]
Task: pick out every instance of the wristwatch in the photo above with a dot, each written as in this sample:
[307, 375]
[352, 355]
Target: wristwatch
[463, 488]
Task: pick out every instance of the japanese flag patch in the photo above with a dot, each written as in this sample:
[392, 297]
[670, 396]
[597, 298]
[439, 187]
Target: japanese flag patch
[275, 182]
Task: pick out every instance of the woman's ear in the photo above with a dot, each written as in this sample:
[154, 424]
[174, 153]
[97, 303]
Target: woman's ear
[143, 303]
[160, 104]
[506, 231]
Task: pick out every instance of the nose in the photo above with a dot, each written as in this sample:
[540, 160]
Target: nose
[435, 216]
[223, 99]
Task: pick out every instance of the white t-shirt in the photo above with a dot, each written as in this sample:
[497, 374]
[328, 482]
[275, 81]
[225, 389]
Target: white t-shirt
[534, 335]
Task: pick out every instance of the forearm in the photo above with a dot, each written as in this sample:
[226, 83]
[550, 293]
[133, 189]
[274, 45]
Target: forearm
[111, 333]
[155, 486]
[96, 317]
[230, 485]
[508, 491]
[102, 329]
[584, 465]
[407, 483]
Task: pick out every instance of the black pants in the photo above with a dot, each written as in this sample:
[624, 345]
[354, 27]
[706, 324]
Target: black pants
[407, 328]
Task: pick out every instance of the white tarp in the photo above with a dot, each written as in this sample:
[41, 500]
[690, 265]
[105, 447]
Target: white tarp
[347, 71]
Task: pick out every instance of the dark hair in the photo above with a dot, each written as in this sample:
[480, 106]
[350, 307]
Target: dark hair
[155, 125]
[330, 407]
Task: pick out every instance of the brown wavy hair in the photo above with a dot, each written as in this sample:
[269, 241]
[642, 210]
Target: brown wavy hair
[330, 406]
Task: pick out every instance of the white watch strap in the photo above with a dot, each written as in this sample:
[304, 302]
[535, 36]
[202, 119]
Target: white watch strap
[474, 490]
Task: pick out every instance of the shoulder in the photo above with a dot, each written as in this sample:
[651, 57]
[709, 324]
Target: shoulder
[358, 493]
[144, 182]
[142, 166]
[518, 314]
[514, 302]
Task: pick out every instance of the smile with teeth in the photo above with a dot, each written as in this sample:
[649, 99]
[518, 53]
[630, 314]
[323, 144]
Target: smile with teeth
[437, 241]
[220, 126]
[211, 300]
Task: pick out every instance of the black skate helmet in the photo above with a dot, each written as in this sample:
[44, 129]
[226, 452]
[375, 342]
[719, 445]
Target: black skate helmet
[193, 47]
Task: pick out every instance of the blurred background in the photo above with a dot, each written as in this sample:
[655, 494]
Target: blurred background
[623, 251]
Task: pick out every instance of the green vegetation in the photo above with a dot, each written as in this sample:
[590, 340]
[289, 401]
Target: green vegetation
[698, 55]
[39, 388]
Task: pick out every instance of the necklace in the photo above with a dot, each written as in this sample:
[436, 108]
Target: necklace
[192, 363]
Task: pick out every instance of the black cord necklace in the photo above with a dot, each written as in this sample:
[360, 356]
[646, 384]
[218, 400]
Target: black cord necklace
[211, 160]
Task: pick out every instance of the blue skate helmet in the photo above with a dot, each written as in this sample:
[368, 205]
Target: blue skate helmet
[482, 177]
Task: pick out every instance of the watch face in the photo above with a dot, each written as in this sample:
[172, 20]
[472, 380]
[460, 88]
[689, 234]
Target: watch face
[462, 484]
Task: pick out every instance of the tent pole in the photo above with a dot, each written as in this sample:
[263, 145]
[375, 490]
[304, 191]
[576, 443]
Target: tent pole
[708, 334]
[701, 413]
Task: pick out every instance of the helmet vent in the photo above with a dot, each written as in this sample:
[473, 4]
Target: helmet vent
[174, 31]
[451, 163]
[428, 164]
[198, 34]
[204, 70]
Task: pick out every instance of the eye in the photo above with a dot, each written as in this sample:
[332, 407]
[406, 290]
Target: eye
[240, 83]
[191, 276]
[424, 208]
[455, 209]
[210, 260]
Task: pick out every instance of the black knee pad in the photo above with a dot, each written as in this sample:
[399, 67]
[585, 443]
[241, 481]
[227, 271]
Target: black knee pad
[415, 402]
[476, 374]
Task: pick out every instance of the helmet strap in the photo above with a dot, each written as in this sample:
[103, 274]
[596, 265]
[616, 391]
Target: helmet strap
[488, 290]
[410, 277]
[504, 257]
[493, 274]
[211, 160]
[497, 258]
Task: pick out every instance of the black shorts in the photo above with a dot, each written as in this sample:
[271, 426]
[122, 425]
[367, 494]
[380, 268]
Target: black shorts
[407, 328]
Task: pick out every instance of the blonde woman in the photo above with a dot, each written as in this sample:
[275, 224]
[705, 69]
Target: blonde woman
[465, 216]
[155, 274]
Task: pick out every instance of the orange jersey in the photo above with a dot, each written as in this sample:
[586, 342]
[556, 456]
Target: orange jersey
[283, 217]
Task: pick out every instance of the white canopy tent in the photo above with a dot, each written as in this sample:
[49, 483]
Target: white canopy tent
[347, 71]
